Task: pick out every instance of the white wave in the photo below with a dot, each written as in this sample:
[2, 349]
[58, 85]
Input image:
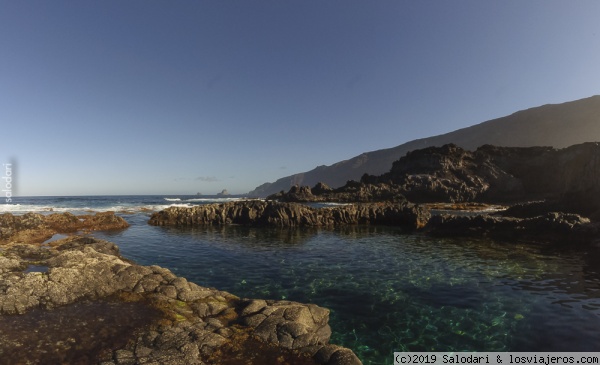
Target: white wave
[222, 200]
[24, 208]
[214, 200]
[47, 209]
[124, 209]
[172, 199]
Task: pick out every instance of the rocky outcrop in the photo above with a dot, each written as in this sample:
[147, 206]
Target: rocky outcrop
[183, 323]
[551, 227]
[36, 228]
[352, 192]
[446, 174]
[279, 214]
[568, 178]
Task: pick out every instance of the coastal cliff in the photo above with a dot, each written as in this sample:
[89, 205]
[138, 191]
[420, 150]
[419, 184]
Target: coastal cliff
[566, 179]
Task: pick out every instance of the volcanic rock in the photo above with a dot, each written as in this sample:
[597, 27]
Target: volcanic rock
[260, 213]
[36, 228]
[183, 323]
[568, 178]
[553, 227]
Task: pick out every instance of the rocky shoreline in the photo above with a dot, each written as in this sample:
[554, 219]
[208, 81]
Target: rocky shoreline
[261, 213]
[37, 228]
[466, 221]
[566, 179]
[123, 313]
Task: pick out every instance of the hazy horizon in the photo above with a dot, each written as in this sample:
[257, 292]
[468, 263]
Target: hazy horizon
[138, 98]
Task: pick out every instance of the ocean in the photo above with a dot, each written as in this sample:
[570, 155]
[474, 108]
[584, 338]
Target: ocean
[388, 290]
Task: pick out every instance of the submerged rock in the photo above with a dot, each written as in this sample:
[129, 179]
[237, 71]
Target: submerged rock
[181, 322]
[270, 213]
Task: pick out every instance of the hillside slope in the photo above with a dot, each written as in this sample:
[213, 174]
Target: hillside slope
[556, 125]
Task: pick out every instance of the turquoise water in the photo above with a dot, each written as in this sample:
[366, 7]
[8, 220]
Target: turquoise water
[391, 291]
[387, 290]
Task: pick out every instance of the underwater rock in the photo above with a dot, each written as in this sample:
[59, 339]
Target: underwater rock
[183, 323]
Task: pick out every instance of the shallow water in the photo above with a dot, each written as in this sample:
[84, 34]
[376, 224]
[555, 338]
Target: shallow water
[78, 333]
[391, 291]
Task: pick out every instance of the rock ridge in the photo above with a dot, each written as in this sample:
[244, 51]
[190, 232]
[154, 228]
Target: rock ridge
[37, 228]
[567, 179]
[269, 213]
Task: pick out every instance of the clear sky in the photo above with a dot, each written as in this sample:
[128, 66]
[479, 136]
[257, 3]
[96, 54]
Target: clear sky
[179, 97]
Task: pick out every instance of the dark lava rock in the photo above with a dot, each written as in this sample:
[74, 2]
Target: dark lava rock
[352, 192]
[118, 312]
[568, 178]
[550, 227]
[271, 213]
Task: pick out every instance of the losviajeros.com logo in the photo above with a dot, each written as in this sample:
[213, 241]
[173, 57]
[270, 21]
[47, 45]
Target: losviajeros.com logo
[7, 182]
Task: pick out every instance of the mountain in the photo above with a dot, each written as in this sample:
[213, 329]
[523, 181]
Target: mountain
[555, 125]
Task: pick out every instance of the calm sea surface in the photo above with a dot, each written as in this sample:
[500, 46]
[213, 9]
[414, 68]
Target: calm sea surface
[387, 290]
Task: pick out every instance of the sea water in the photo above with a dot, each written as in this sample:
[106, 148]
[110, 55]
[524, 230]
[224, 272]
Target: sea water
[388, 290]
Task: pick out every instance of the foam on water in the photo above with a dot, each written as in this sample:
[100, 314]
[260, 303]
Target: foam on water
[93, 204]
[46, 209]
[207, 200]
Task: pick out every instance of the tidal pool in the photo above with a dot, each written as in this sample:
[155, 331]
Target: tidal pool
[78, 333]
[392, 291]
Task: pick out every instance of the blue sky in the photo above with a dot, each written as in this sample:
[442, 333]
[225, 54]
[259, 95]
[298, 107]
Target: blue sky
[157, 97]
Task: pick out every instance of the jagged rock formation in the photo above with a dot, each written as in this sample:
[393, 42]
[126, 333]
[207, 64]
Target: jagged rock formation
[452, 174]
[569, 177]
[36, 228]
[556, 125]
[292, 215]
[182, 322]
[352, 192]
[553, 227]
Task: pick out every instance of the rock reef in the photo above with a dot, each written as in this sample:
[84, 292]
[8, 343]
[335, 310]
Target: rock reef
[280, 214]
[178, 322]
[37, 228]
[552, 227]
